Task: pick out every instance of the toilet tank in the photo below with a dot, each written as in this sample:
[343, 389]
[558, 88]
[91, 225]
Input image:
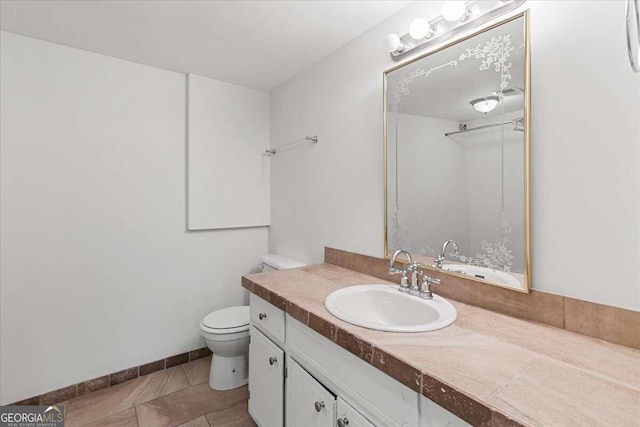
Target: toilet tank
[273, 262]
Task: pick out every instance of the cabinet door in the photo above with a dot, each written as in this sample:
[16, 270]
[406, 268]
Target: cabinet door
[309, 404]
[266, 381]
[347, 416]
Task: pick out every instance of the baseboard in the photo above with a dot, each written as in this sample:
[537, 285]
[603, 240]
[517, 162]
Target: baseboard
[115, 378]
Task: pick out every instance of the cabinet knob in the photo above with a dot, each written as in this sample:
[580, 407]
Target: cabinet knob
[262, 316]
[343, 422]
[319, 406]
[272, 360]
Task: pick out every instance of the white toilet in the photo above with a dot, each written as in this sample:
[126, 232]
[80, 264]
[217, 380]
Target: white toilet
[226, 333]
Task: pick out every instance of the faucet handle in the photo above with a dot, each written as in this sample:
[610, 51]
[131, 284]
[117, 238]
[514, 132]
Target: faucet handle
[404, 282]
[414, 266]
[438, 261]
[425, 286]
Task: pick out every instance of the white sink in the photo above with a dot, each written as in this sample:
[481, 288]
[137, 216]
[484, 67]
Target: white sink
[484, 273]
[384, 308]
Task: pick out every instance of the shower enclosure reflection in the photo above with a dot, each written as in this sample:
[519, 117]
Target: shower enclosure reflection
[457, 155]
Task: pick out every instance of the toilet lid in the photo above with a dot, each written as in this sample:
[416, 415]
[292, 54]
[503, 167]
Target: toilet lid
[227, 318]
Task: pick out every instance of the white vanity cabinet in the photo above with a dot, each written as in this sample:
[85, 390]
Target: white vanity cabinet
[298, 378]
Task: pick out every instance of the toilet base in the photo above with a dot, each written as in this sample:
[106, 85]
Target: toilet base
[228, 372]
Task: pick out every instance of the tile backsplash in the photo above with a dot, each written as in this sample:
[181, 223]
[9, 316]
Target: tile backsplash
[613, 324]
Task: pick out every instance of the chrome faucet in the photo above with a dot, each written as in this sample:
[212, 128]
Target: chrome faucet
[392, 261]
[442, 257]
[404, 280]
[423, 290]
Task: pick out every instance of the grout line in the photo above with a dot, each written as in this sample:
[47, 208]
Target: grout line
[185, 374]
[135, 408]
[181, 390]
[178, 391]
[165, 395]
[193, 419]
[515, 375]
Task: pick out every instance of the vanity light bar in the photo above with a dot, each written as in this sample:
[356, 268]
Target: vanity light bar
[457, 16]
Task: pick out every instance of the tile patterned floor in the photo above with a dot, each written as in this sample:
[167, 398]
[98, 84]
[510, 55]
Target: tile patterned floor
[178, 396]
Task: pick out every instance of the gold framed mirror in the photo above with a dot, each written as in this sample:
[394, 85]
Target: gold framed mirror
[457, 156]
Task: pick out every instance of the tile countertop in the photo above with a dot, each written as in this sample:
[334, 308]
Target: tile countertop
[487, 368]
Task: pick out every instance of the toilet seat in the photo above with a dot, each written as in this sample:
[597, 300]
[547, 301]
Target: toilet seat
[228, 320]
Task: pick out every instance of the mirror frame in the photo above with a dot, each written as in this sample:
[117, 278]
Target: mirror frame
[527, 147]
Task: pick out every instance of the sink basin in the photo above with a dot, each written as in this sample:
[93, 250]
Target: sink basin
[484, 273]
[384, 308]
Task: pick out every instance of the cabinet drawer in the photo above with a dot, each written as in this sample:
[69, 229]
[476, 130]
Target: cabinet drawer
[309, 404]
[267, 318]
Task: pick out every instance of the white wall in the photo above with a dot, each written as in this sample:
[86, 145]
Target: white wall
[98, 273]
[585, 151]
[431, 167]
[485, 184]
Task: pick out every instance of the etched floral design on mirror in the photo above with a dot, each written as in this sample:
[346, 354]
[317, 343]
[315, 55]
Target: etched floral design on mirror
[457, 156]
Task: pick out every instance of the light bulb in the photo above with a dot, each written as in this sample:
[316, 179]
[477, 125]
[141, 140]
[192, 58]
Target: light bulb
[419, 28]
[453, 10]
[391, 42]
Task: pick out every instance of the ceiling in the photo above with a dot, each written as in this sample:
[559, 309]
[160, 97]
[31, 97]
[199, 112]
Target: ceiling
[259, 44]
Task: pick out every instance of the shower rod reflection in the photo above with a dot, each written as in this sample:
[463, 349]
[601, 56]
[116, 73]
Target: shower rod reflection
[272, 151]
[518, 124]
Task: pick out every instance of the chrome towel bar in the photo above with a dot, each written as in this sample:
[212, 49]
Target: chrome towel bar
[313, 139]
